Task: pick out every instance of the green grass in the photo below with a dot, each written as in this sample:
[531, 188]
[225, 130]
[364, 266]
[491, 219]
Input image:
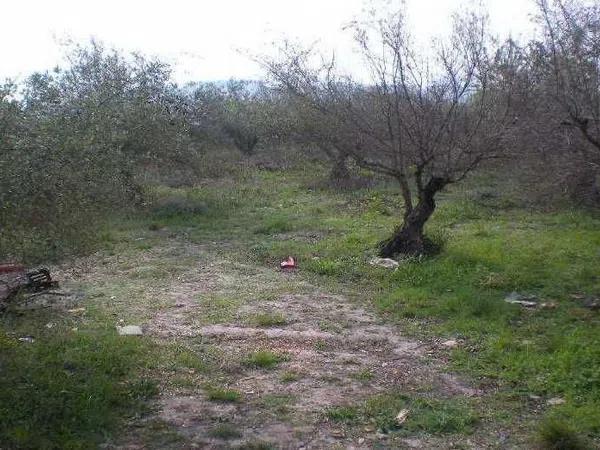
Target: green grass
[554, 434]
[225, 431]
[70, 390]
[433, 416]
[217, 394]
[264, 359]
[268, 320]
[491, 248]
[290, 377]
[364, 375]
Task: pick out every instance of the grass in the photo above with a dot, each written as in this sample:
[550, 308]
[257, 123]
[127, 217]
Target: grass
[217, 394]
[491, 248]
[433, 416]
[556, 434]
[290, 377]
[70, 390]
[225, 431]
[364, 375]
[268, 320]
[264, 359]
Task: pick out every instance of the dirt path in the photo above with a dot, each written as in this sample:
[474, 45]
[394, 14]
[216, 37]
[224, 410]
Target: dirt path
[333, 352]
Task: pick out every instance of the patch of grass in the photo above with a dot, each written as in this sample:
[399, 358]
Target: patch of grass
[218, 308]
[225, 431]
[289, 377]
[321, 345]
[268, 320]
[431, 416]
[278, 404]
[217, 394]
[435, 416]
[342, 413]
[71, 390]
[363, 375]
[264, 359]
[256, 445]
[556, 434]
[275, 224]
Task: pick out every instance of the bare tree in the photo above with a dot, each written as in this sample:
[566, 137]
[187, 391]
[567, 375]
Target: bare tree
[424, 120]
[569, 62]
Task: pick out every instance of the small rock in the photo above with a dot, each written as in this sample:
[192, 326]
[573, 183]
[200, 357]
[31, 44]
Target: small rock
[592, 303]
[534, 397]
[28, 339]
[402, 416]
[450, 343]
[361, 441]
[76, 310]
[130, 330]
[337, 433]
[49, 325]
[549, 305]
[386, 263]
[519, 299]
[556, 401]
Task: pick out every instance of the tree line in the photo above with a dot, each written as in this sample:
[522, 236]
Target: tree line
[75, 142]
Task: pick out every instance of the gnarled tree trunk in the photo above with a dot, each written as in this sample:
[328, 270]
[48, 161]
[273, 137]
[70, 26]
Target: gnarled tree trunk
[339, 171]
[409, 238]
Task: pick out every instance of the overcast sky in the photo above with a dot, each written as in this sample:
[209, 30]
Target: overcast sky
[203, 38]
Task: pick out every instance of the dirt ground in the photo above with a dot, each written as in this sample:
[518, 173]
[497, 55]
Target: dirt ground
[334, 351]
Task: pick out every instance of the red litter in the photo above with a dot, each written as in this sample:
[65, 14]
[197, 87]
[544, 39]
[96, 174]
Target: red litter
[289, 263]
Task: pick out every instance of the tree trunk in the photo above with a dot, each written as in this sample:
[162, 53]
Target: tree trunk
[339, 171]
[409, 239]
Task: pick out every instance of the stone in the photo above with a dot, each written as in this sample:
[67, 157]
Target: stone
[451, 343]
[592, 303]
[527, 301]
[130, 330]
[402, 416]
[556, 401]
[386, 263]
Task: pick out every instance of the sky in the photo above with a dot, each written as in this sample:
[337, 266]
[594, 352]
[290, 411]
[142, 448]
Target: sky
[211, 39]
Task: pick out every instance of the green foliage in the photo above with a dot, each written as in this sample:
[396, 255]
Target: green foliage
[70, 391]
[218, 394]
[555, 434]
[225, 431]
[264, 359]
[342, 413]
[73, 143]
[432, 416]
[268, 319]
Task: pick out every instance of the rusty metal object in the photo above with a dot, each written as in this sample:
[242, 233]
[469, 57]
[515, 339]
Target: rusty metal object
[15, 279]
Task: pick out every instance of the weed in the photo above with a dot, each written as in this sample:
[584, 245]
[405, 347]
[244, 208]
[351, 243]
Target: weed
[225, 431]
[264, 359]
[268, 319]
[342, 413]
[289, 377]
[556, 434]
[217, 394]
[363, 375]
